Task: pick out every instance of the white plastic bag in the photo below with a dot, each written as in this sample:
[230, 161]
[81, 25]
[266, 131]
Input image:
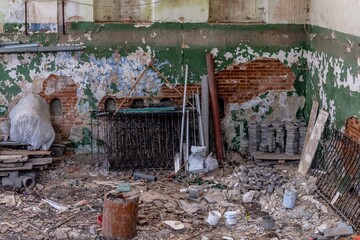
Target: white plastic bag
[4, 130]
[211, 163]
[196, 159]
[30, 123]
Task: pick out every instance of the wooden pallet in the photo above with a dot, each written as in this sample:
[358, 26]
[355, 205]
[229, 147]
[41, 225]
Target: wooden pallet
[264, 158]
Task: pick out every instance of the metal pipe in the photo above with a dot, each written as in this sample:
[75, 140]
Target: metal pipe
[183, 114]
[198, 109]
[27, 182]
[186, 157]
[21, 45]
[42, 49]
[9, 43]
[63, 17]
[144, 176]
[26, 19]
[205, 110]
[214, 107]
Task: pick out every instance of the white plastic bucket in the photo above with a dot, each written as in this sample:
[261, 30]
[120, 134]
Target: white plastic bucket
[230, 218]
[213, 218]
[289, 199]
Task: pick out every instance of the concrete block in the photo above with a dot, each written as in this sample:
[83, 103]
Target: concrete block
[270, 188]
[338, 231]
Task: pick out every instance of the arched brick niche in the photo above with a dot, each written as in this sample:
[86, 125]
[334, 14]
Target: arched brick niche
[61, 91]
[240, 83]
[165, 92]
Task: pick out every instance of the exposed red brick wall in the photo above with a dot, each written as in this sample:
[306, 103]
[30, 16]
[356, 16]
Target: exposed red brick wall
[240, 83]
[235, 84]
[352, 129]
[68, 98]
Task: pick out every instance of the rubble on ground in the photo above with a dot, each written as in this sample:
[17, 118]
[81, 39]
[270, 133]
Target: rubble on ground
[67, 201]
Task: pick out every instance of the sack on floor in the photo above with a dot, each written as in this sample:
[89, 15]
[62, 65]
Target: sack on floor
[31, 123]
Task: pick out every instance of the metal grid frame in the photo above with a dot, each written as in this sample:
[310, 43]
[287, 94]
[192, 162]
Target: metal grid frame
[337, 169]
[138, 141]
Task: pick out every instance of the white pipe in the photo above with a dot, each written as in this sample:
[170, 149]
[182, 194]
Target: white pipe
[205, 109]
[198, 109]
[186, 157]
[183, 115]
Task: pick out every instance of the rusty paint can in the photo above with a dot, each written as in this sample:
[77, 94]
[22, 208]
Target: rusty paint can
[119, 218]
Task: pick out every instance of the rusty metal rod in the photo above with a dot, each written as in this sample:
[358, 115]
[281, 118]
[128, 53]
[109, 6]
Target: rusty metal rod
[134, 85]
[170, 83]
[26, 18]
[214, 106]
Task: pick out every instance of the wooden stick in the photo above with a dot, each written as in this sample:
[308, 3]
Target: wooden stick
[172, 85]
[63, 222]
[166, 80]
[134, 85]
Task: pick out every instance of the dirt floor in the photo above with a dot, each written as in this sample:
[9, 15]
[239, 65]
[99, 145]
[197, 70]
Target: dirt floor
[77, 190]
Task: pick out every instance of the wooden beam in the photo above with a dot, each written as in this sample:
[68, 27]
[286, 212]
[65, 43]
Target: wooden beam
[311, 147]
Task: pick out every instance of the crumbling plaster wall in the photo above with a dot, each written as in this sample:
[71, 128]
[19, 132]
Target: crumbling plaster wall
[116, 54]
[333, 58]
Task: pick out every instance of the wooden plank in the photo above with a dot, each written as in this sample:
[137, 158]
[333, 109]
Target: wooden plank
[27, 166]
[13, 158]
[274, 156]
[13, 144]
[25, 152]
[40, 161]
[272, 162]
[310, 150]
[310, 127]
[4, 174]
[7, 165]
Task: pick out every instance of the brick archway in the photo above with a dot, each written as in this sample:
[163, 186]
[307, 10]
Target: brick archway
[66, 92]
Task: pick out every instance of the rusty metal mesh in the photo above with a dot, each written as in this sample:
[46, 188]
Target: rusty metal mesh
[337, 168]
[138, 141]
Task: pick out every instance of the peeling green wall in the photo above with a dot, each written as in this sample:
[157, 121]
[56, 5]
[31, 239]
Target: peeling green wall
[116, 53]
[333, 76]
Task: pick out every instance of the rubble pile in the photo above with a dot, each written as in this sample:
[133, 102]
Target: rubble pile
[259, 178]
[66, 204]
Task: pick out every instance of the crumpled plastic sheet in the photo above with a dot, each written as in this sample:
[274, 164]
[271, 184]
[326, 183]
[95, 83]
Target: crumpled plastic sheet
[31, 123]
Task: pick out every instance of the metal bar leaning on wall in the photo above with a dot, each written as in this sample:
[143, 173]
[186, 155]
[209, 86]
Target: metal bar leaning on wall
[134, 85]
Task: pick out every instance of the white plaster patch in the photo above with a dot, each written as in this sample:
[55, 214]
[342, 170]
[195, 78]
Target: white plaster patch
[153, 35]
[93, 75]
[332, 112]
[228, 55]
[214, 52]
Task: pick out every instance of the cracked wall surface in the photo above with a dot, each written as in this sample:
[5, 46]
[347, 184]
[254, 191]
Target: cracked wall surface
[323, 55]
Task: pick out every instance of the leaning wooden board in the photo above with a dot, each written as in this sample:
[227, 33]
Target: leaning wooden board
[311, 146]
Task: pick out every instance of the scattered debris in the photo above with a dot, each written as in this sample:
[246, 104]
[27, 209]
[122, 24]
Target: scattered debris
[176, 225]
[79, 197]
